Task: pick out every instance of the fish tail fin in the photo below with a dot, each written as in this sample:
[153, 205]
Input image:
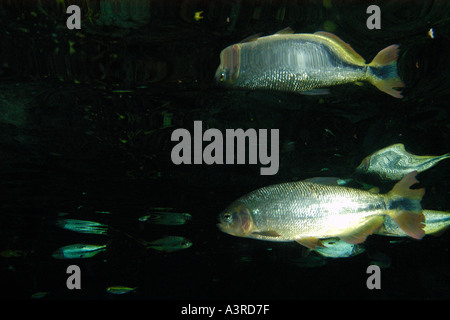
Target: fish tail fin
[383, 71]
[404, 206]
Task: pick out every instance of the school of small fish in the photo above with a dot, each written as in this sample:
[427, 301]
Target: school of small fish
[157, 216]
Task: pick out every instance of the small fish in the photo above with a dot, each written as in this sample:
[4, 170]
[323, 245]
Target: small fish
[436, 222]
[120, 289]
[82, 226]
[39, 295]
[167, 218]
[336, 248]
[307, 212]
[78, 251]
[304, 63]
[169, 244]
[394, 162]
[8, 253]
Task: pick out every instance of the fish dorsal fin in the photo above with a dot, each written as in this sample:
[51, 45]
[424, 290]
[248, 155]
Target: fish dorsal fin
[344, 45]
[398, 147]
[329, 181]
[287, 30]
[251, 38]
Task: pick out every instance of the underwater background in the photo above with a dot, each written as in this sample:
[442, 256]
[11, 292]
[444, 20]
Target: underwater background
[86, 118]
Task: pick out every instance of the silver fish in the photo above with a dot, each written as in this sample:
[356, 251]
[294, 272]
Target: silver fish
[78, 251]
[307, 212]
[303, 63]
[394, 162]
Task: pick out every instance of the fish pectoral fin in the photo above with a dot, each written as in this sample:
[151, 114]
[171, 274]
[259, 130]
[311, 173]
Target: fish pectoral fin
[310, 242]
[360, 234]
[267, 233]
[412, 223]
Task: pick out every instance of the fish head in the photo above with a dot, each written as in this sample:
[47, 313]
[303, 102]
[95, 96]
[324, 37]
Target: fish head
[228, 71]
[236, 220]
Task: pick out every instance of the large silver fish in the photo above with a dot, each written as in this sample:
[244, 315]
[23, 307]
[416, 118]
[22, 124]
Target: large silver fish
[306, 212]
[394, 162]
[304, 62]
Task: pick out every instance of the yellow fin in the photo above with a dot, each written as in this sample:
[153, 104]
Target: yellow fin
[402, 189]
[343, 44]
[360, 234]
[410, 222]
[386, 63]
[310, 242]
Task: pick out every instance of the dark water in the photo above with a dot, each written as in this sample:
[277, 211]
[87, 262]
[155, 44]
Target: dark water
[86, 118]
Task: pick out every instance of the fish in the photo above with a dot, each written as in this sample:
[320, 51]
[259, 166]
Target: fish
[169, 244]
[10, 253]
[166, 218]
[337, 248]
[120, 289]
[78, 251]
[306, 212]
[82, 226]
[436, 222]
[394, 162]
[304, 63]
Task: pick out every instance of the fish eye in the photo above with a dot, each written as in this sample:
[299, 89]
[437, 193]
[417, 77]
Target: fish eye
[227, 217]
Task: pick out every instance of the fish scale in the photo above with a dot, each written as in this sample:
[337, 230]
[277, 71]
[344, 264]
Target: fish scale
[293, 65]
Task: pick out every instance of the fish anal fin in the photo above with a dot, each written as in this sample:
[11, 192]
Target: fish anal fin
[310, 242]
[410, 222]
[402, 189]
[344, 44]
[360, 234]
[268, 233]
